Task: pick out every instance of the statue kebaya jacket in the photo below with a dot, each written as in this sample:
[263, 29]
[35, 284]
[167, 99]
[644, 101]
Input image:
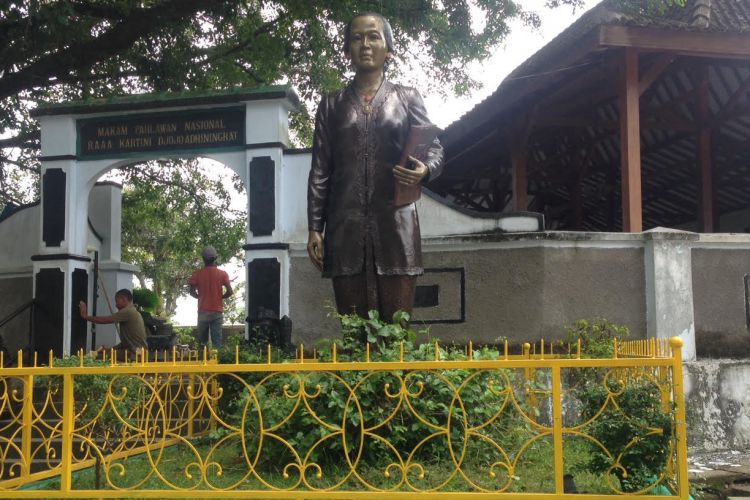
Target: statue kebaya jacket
[351, 184]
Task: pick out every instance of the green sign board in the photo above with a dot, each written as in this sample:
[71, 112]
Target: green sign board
[173, 132]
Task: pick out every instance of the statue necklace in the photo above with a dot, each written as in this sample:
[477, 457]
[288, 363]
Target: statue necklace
[367, 95]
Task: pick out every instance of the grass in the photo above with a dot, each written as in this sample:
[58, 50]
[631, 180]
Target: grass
[534, 473]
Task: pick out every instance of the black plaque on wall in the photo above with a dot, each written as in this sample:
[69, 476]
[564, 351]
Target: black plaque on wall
[427, 296]
[78, 324]
[53, 207]
[440, 296]
[263, 287]
[48, 312]
[262, 196]
[181, 131]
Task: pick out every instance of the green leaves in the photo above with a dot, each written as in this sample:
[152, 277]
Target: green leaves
[70, 50]
[170, 210]
[634, 428]
[384, 336]
[633, 425]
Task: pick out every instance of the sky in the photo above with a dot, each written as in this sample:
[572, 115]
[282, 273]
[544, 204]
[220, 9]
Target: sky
[521, 44]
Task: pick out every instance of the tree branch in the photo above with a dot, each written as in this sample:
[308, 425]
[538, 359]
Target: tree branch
[214, 54]
[121, 36]
[23, 140]
[199, 198]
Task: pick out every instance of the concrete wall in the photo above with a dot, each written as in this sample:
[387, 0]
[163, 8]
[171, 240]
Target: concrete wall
[522, 286]
[20, 235]
[19, 239]
[14, 293]
[718, 410]
[720, 264]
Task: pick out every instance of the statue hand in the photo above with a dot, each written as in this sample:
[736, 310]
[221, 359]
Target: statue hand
[410, 177]
[315, 248]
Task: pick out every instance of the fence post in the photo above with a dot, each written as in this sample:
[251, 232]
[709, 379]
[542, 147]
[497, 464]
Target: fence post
[191, 404]
[680, 418]
[557, 426]
[530, 377]
[66, 455]
[28, 415]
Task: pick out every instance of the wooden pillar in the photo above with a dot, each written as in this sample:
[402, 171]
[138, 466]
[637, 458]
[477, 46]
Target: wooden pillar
[706, 208]
[520, 161]
[630, 144]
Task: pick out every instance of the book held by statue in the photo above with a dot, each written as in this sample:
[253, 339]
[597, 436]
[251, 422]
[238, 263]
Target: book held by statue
[417, 144]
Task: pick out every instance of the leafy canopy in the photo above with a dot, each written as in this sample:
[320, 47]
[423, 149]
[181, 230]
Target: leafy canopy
[67, 50]
[77, 49]
[170, 211]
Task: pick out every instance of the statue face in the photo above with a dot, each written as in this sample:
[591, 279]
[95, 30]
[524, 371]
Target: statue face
[367, 47]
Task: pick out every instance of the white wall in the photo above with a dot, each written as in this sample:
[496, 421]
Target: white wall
[435, 218]
[19, 240]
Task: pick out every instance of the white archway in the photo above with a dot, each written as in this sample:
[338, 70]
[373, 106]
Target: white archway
[246, 130]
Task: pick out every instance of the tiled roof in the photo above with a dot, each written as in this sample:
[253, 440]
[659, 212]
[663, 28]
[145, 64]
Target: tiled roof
[697, 15]
[706, 15]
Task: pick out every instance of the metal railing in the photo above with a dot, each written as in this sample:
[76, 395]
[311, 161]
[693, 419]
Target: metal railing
[486, 425]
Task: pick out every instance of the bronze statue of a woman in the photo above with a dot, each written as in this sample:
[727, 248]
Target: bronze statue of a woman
[371, 248]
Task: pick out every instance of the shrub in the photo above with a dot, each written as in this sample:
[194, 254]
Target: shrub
[186, 336]
[404, 425]
[145, 300]
[597, 336]
[633, 426]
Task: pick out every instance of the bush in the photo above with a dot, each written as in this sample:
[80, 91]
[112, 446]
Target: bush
[145, 300]
[633, 426]
[405, 422]
[597, 336]
[186, 336]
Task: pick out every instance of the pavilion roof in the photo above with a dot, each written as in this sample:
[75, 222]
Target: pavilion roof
[697, 15]
[562, 101]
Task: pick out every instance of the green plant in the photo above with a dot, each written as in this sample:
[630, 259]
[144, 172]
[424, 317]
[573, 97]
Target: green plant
[145, 300]
[597, 336]
[633, 427]
[383, 335]
[631, 422]
[233, 340]
[433, 400]
[107, 407]
[186, 336]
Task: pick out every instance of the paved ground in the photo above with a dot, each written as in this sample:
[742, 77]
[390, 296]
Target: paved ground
[728, 472]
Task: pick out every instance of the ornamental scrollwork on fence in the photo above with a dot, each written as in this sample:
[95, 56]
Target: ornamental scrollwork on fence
[462, 428]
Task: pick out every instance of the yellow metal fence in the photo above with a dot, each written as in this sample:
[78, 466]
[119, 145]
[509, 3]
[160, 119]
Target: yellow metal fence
[479, 425]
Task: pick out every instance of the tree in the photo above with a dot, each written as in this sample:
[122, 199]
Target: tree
[170, 211]
[75, 49]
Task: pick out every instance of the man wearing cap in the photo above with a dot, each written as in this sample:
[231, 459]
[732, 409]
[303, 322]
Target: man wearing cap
[210, 286]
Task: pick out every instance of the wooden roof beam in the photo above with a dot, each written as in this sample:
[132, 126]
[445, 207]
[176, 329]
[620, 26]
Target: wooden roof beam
[731, 105]
[655, 71]
[692, 43]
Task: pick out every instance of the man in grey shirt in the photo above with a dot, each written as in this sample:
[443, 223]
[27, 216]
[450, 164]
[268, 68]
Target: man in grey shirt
[131, 327]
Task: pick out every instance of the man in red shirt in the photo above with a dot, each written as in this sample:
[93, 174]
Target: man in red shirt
[210, 286]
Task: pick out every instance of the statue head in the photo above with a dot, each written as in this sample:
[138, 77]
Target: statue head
[368, 41]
